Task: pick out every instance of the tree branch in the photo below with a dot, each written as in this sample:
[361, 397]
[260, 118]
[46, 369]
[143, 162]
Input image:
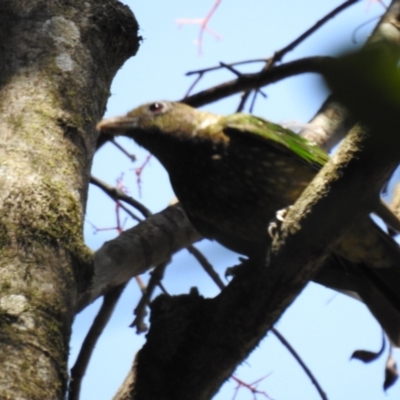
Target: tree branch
[279, 54]
[256, 80]
[103, 316]
[136, 250]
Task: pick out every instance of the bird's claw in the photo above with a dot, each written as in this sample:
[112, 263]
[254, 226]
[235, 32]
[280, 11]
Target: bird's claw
[274, 226]
[281, 214]
[272, 229]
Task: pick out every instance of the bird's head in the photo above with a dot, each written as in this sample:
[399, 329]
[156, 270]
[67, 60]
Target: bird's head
[161, 117]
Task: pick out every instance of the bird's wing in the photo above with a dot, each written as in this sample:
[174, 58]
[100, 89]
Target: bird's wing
[275, 135]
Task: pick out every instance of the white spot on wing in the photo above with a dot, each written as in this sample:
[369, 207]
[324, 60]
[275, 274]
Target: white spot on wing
[206, 122]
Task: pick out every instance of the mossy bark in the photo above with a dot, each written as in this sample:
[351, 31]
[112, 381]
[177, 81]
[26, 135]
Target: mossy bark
[58, 60]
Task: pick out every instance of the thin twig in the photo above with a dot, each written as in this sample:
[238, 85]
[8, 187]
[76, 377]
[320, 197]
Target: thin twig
[140, 311]
[129, 212]
[230, 68]
[103, 316]
[279, 54]
[250, 386]
[253, 101]
[206, 266]
[293, 352]
[139, 171]
[204, 70]
[132, 157]
[162, 287]
[117, 194]
[203, 24]
[243, 99]
[191, 87]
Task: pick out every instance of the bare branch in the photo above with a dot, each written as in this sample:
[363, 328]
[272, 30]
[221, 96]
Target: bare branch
[206, 266]
[269, 62]
[293, 352]
[117, 194]
[132, 157]
[103, 316]
[140, 311]
[279, 54]
[256, 80]
[217, 67]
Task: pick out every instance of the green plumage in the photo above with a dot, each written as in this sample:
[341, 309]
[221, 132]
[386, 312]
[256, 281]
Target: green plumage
[276, 135]
[232, 173]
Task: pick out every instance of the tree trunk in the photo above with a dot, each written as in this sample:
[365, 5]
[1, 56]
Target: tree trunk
[57, 62]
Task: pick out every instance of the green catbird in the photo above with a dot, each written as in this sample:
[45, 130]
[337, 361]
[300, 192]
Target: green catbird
[233, 173]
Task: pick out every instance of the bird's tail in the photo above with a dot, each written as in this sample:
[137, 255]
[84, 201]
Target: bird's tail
[378, 288]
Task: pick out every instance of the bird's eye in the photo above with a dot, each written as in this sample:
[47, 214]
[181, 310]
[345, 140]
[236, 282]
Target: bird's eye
[156, 108]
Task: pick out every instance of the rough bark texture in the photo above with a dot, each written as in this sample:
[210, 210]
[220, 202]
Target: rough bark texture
[57, 62]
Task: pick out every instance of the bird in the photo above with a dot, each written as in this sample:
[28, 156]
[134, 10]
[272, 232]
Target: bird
[231, 175]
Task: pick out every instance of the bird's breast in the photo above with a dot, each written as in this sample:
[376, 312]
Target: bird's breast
[231, 196]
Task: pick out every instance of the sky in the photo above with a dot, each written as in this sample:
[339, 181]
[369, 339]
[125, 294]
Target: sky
[323, 326]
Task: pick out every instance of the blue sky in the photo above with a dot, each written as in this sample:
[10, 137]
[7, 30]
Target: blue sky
[323, 326]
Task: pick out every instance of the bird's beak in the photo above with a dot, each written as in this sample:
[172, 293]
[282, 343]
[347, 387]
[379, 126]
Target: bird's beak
[116, 125]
